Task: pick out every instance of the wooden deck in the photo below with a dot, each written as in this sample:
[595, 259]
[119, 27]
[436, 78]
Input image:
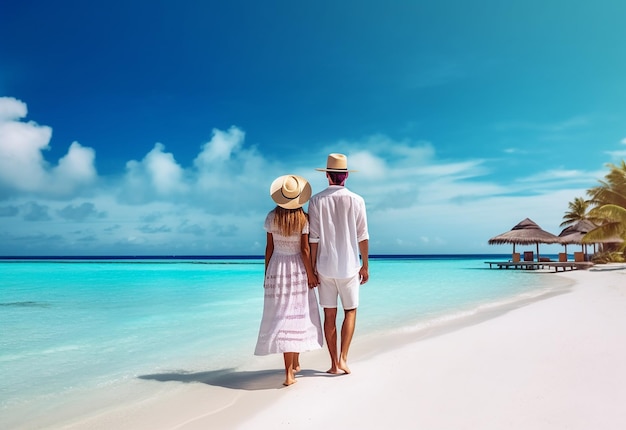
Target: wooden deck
[535, 265]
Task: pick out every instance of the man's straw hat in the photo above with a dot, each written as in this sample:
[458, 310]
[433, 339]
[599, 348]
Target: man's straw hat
[336, 163]
[290, 191]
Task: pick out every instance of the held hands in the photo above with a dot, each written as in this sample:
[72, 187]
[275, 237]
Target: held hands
[313, 281]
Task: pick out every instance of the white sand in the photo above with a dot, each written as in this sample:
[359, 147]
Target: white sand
[558, 363]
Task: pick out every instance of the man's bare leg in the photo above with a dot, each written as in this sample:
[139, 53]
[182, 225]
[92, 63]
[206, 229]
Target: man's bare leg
[330, 333]
[347, 331]
[290, 377]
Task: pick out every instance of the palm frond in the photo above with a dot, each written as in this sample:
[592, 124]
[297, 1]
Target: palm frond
[604, 232]
[610, 212]
[577, 211]
[603, 196]
[613, 224]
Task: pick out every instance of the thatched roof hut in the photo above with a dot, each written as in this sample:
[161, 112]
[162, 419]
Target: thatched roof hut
[575, 232]
[526, 232]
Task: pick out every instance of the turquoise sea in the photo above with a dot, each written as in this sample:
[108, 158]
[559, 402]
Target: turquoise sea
[69, 326]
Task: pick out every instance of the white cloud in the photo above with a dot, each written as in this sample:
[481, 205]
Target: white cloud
[133, 189]
[463, 169]
[220, 148]
[404, 174]
[218, 157]
[369, 164]
[417, 202]
[75, 170]
[225, 177]
[164, 172]
[617, 154]
[22, 165]
[230, 176]
[12, 109]
[156, 176]
[554, 174]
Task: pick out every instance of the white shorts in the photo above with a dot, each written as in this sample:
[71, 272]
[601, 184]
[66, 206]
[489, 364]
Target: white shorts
[346, 289]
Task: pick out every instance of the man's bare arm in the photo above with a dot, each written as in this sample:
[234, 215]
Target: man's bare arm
[364, 250]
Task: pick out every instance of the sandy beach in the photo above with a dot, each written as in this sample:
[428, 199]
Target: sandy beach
[554, 363]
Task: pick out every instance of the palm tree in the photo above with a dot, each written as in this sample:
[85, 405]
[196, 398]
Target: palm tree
[609, 212]
[613, 189]
[577, 211]
[614, 225]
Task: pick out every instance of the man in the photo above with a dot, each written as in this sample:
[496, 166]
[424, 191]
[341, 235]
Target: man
[338, 234]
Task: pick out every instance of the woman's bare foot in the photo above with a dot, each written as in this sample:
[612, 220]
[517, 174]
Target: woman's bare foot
[296, 363]
[290, 378]
[290, 381]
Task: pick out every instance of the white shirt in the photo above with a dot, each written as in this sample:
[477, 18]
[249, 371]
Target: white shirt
[337, 222]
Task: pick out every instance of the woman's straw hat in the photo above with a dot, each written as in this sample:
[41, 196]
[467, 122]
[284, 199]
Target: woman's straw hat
[290, 191]
[336, 163]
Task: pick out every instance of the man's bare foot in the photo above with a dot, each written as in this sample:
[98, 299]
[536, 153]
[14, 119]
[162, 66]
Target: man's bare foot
[335, 369]
[343, 366]
[296, 369]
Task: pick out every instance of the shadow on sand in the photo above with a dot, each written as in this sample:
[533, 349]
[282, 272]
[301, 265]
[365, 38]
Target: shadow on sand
[234, 379]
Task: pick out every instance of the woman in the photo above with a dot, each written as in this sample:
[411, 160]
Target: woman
[291, 322]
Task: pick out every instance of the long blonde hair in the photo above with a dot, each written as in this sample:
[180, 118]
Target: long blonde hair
[289, 221]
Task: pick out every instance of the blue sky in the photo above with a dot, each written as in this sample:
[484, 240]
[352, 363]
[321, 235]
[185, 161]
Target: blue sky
[156, 127]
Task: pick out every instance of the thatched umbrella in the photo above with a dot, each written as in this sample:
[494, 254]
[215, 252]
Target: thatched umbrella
[575, 232]
[574, 235]
[525, 233]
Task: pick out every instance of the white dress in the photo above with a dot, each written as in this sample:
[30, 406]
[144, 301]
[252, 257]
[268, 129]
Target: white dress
[291, 320]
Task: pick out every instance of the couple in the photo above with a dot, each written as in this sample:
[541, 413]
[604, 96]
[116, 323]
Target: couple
[301, 254]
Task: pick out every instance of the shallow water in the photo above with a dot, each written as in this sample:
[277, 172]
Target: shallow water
[68, 325]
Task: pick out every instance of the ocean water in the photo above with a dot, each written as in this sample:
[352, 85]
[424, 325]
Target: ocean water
[72, 325]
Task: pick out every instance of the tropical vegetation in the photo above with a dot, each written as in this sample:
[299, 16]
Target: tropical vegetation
[577, 212]
[608, 213]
